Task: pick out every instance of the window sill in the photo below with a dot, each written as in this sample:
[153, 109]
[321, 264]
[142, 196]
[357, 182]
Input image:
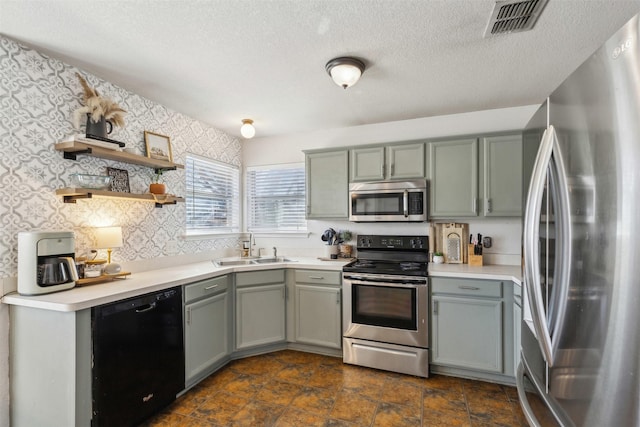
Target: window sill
[267, 234]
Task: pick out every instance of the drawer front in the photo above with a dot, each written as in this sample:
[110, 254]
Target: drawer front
[205, 288]
[467, 287]
[261, 277]
[323, 277]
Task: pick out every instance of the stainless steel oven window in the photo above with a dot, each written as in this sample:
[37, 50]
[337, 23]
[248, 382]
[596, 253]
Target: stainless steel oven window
[384, 306]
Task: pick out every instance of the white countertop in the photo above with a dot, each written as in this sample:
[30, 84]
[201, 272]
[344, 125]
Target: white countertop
[80, 298]
[487, 272]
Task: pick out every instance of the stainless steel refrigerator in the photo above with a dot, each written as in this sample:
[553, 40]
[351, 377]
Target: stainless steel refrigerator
[580, 337]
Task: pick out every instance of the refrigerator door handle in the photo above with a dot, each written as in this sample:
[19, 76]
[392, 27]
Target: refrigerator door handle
[522, 397]
[531, 242]
[562, 265]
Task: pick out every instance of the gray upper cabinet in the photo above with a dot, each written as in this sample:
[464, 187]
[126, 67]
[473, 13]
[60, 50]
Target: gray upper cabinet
[400, 161]
[327, 185]
[453, 177]
[471, 177]
[502, 175]
[367, 164]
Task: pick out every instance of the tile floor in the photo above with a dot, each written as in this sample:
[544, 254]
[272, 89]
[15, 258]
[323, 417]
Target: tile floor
[291, 388]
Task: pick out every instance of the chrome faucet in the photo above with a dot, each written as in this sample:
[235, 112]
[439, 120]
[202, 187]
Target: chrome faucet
[275, 252]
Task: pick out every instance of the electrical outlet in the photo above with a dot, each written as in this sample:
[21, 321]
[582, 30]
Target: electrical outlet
[171, 247]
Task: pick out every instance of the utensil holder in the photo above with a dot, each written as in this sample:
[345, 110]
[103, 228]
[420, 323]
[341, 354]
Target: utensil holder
[331, 251]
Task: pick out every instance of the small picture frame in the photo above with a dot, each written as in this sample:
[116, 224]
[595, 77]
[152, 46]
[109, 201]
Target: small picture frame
[119, 180]
[158, 146]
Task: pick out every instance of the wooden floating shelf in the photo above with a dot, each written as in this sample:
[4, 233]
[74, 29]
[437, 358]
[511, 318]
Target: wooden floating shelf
[70, 195]
[102, 279]
[71, 149]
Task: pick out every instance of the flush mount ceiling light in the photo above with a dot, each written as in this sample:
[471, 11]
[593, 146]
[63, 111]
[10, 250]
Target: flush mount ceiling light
[345, 71]
[247, 130]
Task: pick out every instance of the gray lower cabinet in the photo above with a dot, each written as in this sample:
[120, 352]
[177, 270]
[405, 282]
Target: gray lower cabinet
[467, 324]
[327, 184]
[206, 326]
[260, 308]
[50, 369]
[318, 308]
[517, 324]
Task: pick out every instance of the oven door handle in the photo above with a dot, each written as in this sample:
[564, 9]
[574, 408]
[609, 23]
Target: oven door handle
[387, 282]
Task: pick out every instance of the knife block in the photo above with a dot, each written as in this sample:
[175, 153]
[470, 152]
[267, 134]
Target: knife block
[474, 260]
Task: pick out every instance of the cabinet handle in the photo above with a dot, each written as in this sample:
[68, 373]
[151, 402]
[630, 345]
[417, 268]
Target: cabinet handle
[435, 307]
[393, 170]
[188, 316]
[208, 288]
[337, 297]
[317, 277]
[470, 288]
[488, 205]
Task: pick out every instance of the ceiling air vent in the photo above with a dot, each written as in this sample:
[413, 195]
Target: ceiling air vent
[511, 16]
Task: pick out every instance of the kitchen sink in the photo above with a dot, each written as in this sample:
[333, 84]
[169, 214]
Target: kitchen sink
[226, 262]
[270, 260]
[232, 261]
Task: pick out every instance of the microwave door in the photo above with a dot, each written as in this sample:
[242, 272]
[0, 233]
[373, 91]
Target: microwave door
[365, 205]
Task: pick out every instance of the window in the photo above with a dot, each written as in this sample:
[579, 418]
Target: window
[275, 198]
[213, 196]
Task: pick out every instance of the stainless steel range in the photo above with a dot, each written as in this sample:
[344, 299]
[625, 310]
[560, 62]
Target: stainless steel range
[386, 310]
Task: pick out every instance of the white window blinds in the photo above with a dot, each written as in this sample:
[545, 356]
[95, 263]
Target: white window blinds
[213, 196]
[275, 198]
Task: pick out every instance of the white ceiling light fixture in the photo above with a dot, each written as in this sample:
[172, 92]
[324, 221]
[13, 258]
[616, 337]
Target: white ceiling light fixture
[247, 130]
[345, 71]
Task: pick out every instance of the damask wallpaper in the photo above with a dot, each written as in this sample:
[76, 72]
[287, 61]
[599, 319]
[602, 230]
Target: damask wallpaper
[38, 95]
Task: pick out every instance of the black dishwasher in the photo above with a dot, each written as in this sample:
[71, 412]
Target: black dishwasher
[138, 357]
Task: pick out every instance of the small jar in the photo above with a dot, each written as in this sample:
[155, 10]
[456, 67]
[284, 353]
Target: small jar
[80, 265]
[94, 268]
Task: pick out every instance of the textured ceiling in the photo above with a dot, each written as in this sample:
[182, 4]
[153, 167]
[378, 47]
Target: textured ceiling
[224, 60]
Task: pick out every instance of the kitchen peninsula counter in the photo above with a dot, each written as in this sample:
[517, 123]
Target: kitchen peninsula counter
[486, 272]
[80, 298]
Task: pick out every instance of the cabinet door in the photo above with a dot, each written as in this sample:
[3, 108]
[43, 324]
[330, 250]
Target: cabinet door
[502, 175]
[467, 333]
[453, 176]
[367, 164]
[260, 315]
[317, 315]
[406, 161]
[327, 185]
[517, 324]
[206, 333]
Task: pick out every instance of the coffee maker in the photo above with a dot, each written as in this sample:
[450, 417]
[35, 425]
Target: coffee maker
[46, 262]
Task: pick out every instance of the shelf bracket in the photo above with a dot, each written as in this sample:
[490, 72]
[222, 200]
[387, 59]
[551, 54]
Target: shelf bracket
[72, 198]
[158, 170]
[159, 205]
[72, 155]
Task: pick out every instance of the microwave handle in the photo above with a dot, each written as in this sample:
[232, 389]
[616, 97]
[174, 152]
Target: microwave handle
[405, 203]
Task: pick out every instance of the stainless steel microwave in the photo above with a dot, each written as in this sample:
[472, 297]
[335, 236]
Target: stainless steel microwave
[393, 201]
